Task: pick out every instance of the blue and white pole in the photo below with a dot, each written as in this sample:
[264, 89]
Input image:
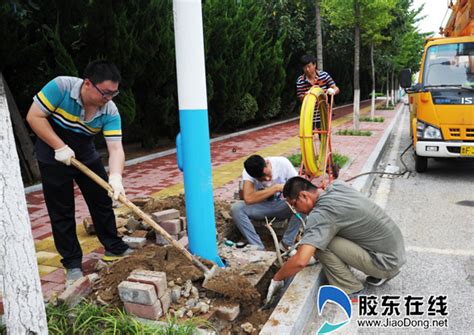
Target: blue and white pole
[193, 148]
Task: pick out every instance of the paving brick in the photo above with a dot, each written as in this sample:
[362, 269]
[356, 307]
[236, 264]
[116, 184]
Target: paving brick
[137, 293]
[155, 278]
[168, 214]
[139, 233]
[184, 241]
[166, 301]
[120, 222]
[182, 234]
[45, 269]
[76, 292]
[184, 223]
[172, 227]
[140, 200]
[88, 226]
[45, 256]
[134, 242]
[228, 311]
[160, 240]
[58, 276]
[133, 224]
[150, 312]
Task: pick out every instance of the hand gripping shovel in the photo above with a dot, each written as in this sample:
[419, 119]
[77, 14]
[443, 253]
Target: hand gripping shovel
[208, 274]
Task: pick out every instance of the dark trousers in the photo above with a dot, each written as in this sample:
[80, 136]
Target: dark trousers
[58, 190]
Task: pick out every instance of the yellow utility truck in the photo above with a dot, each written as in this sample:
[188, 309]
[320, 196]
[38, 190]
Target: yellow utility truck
[442, 101]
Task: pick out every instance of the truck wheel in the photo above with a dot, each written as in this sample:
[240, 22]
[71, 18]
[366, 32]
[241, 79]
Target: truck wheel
[421, 163]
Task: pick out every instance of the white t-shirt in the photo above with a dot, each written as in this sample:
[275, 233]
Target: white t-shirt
[282, 170]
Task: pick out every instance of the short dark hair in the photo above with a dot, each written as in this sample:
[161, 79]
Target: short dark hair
[306, 59]
[102, 70]
[254, 165]
[295, 185]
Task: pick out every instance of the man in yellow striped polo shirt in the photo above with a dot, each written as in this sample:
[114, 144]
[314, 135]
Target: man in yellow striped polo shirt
[66, 115]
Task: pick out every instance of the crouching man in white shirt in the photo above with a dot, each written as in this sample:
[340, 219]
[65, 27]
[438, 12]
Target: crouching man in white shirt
[262, 197]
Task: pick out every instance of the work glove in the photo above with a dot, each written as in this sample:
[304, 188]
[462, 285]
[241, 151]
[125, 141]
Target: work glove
[331, 91]
[115, 180]
[274, 287]
[64, 155]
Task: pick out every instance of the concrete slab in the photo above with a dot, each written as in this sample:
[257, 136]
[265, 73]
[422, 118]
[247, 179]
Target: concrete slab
[252, 263]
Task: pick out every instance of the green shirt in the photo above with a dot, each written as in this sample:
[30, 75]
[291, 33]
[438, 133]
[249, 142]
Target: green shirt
[343, 211]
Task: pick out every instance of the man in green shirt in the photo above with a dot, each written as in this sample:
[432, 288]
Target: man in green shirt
[344, 229]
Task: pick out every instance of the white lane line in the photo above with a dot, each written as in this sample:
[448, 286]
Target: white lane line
[451, 252]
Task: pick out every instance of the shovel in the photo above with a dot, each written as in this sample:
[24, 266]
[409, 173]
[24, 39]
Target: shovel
[208, 274]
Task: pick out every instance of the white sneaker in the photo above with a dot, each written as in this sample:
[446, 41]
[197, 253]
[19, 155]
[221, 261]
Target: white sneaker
[72, 275]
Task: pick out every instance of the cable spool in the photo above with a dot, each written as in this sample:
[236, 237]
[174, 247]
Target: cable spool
[313, 158]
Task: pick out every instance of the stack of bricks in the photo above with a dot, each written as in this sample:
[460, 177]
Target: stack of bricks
[145, 294]
[172, 223]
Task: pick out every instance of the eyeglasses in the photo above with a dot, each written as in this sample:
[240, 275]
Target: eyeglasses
[294, 201]
[106, 95]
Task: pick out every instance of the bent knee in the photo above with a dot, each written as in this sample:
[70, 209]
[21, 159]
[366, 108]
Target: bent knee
[238, 209]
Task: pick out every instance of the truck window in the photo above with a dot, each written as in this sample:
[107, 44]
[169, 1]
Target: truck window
[449, 64]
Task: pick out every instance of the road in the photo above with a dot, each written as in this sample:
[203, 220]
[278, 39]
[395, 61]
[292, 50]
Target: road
[435, 211]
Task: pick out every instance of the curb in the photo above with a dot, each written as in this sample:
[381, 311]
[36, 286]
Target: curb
[300, 297]
[363, 183]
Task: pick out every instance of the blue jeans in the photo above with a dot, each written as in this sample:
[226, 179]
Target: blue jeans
[242, 214]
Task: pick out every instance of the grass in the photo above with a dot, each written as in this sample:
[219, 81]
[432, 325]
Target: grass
[338, 159]
[372, 119]
[383, 107]
[89, 319]
[353, 132]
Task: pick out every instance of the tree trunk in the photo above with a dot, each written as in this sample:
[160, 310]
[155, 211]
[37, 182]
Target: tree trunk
[392, 82]
[388, 89]
[356, 65]
[319, 36]
[372, 107]
[21, 132]
[22, 296]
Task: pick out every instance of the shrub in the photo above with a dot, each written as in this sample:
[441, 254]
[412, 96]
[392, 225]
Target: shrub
[338, 159]
[371, 119]
[353, 132]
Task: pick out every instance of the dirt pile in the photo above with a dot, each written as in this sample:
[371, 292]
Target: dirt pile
[152, 257]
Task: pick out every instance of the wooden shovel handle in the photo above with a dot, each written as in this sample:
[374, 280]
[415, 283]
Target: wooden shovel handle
[145, 217]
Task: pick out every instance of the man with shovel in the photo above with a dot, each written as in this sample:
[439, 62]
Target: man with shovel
[66, 115]
[343, 229]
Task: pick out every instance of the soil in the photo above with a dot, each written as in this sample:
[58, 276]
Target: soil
[230, 283]
[152, 257]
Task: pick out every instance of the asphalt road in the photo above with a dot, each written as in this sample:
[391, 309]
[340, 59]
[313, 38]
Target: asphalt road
[435, 211]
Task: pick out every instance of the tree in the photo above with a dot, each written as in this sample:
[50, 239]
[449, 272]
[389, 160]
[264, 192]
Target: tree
[378, 16]
[368, 16]
[24, 307]
[319, 35]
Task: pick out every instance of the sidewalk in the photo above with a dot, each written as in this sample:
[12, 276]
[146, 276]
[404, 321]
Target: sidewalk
[160, 177]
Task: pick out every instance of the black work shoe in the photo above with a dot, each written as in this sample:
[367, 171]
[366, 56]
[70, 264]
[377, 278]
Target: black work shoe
[110, 256]
[379, 281]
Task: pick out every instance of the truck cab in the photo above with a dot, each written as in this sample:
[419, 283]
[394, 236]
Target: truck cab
[442, 102]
